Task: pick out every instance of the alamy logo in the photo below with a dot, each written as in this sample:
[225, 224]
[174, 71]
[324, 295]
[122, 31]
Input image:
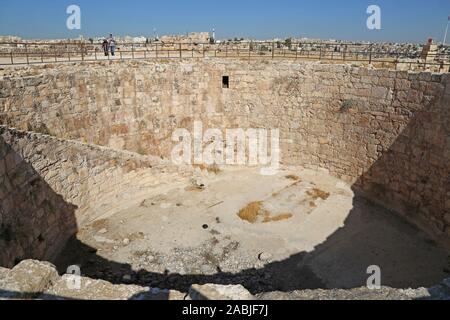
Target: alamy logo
[73, 279]
[210, 148]
[74, 19]
[374, 281]
[374, 20]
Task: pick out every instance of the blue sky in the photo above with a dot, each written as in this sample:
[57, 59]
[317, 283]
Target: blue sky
[402, 20]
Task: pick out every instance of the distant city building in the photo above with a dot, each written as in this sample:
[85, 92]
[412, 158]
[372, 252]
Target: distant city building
[191, 38]
[10, 39]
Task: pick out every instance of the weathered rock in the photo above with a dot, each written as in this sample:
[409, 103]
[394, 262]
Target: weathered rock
[265, 256]
[354, 294]
[39, 280]
[27, 279]
[101, 290]
[219, 292]
[3, 273]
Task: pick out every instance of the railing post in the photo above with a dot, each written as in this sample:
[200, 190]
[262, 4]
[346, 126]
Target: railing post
[156, 50]
[54, 52]
[68, 53]
[82, 52]
[132, 51]
[26, 52]
[370, 54]
[273, 50]
[181, 54]
[203, 49]
[12, 58]
[95, 54]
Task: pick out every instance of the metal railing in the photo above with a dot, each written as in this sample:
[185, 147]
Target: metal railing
[406, 58]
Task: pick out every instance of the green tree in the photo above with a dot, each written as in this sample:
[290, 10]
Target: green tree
[288, 43]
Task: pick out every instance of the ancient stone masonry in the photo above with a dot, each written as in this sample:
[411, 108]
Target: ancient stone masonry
[34, 220]
[48, 187]
[39, 280]
[384, 131]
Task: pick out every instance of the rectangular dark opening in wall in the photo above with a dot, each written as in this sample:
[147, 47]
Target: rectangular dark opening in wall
[225, 82]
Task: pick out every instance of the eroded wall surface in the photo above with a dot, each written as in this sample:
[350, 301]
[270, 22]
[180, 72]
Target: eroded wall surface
[50, 187]
[384, 131]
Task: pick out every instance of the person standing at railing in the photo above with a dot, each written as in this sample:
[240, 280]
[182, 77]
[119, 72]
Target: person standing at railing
[112, 44]
[105, 47]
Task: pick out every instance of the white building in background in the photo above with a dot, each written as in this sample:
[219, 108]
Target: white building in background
[193, 37]
[10, 39]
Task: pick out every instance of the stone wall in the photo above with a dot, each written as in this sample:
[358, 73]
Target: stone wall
[384, 131]
[35, 221]
[49, 187]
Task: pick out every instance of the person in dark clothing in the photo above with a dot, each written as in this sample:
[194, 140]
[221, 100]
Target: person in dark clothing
[105, 46]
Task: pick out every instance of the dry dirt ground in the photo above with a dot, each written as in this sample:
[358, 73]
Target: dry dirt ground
[299, 229]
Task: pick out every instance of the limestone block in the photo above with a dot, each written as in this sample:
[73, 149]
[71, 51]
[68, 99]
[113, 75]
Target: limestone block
[379, 92]
[67, 288]
[27, 279]
[219, 292]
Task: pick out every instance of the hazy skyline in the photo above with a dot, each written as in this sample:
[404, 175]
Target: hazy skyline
[402, 20]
